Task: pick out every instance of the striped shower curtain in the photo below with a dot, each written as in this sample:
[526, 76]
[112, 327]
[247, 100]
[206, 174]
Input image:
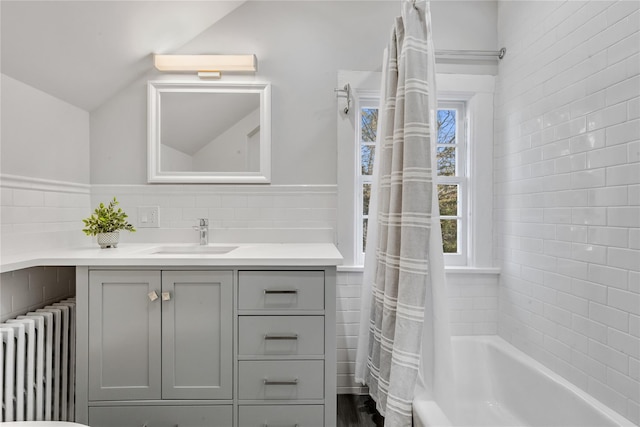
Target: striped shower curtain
[406, 333]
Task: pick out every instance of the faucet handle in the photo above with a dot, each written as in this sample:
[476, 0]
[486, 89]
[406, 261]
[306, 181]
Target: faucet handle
[204, 222]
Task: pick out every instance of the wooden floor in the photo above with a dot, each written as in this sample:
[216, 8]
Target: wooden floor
[358, 411]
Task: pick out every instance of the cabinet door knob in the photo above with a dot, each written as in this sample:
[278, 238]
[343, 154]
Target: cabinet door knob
[153, 295]
[166, 296]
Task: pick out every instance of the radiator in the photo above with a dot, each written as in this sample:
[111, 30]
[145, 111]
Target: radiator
[37, 360]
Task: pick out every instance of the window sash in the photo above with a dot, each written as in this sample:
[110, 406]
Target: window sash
[460, 179]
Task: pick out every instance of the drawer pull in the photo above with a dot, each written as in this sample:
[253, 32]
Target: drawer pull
[280, 291]
[280, 382]
[281, 336]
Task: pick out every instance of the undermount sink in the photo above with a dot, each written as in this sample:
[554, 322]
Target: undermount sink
[193, 250]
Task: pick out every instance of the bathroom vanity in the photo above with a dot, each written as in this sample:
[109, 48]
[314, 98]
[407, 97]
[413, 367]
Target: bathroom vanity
[192, 338]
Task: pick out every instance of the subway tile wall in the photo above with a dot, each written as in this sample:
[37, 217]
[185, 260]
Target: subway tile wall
[26, 290]
[238, 213]
[40, 214]
[567, 191]
[473, 305]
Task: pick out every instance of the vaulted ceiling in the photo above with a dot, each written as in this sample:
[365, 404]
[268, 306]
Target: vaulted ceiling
[83, 52]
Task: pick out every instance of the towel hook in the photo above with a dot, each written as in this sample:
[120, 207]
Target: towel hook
[347, 90]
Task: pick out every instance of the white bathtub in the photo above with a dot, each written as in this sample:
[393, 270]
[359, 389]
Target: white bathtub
[498, 385]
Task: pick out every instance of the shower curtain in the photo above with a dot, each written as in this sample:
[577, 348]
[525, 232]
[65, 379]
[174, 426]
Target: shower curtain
[404, 342]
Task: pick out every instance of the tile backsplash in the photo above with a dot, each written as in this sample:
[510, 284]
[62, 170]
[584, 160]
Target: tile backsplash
[276, 214]
[26, 290]
[40, 214]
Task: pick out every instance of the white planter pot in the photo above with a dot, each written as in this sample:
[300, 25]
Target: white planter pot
[108, 240]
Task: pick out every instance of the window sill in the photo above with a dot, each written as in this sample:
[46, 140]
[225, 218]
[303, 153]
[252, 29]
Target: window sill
[447, 269]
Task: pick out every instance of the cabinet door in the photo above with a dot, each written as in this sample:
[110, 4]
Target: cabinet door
[124, 335]
[197, 346]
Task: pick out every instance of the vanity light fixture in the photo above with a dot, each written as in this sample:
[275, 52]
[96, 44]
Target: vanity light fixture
[207, 66]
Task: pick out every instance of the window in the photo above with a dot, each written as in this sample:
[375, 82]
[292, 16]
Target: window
[367, 128]
[451, 173]
[451, 149]
[465, 165]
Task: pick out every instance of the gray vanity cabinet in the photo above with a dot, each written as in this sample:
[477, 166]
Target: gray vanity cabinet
[160, 335]
[206, 347]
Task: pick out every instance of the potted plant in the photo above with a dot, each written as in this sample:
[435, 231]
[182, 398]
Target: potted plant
[105, 223]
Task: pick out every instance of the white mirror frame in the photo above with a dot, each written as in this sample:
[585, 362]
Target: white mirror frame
[154, 172]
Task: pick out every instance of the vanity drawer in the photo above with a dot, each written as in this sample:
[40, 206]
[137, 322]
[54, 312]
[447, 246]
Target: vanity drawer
[161, 416]
[281, 415]
[280, 335]
[288, 380]
[281, 290]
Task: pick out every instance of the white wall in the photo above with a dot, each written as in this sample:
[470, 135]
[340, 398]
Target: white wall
[464, 25]
[42, 136]
[44, 186]
[299, 46]
[567, 192]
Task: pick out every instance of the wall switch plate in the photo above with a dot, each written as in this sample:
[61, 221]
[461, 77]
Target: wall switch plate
[148, 217]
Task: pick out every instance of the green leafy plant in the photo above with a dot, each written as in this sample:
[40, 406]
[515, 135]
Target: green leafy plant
[106, 219]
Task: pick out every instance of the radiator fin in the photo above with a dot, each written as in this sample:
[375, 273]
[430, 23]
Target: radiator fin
[37, 364]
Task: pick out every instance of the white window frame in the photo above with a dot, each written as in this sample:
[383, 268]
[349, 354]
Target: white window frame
[460, 179]
[476, 92]
[365, 99]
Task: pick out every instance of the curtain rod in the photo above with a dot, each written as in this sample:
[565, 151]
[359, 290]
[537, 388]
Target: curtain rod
[473, 53]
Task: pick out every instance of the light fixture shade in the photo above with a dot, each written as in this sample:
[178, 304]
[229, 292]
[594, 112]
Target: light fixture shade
[205, 62]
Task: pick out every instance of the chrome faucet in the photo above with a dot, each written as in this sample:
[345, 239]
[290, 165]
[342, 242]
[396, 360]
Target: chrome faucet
[203, 230]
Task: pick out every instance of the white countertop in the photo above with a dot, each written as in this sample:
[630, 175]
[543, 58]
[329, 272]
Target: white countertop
[246, 254]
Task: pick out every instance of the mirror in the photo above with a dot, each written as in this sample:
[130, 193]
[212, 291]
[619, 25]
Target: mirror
[209, 132]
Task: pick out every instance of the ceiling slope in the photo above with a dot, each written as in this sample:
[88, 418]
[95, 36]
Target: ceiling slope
[85, 51]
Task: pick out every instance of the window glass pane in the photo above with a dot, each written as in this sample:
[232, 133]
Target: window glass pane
[448, 198]
[369, 124]
[446, 126]
[366, 196]
[367, 153]
[446, 161]
[449, 235]
[365, 223]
